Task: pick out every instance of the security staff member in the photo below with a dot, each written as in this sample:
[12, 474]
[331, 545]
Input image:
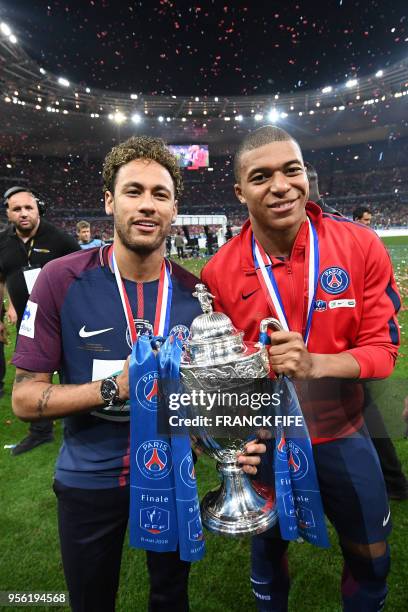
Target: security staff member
[25, 247]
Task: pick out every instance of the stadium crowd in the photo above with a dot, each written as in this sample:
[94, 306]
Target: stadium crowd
[375, 176]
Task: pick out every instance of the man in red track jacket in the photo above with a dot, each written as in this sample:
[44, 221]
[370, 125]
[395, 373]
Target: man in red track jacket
[336, 289]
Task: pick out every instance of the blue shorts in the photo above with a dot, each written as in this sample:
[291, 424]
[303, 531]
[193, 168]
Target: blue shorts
[352, 489]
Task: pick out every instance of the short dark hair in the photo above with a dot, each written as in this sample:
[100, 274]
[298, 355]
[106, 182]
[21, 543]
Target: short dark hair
[359, 212]
[140, 147]
[258, 138]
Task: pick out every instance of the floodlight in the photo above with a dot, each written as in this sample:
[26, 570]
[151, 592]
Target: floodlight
[63, 81]
[273, 115]
[5, 28]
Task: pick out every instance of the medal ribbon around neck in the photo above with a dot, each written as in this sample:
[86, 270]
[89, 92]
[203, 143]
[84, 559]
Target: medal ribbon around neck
[266, 277]
[163, 304]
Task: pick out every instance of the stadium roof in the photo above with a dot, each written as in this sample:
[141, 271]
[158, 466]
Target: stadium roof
[46, 113]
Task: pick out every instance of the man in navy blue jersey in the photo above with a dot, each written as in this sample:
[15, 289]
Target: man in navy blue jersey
[80, 320]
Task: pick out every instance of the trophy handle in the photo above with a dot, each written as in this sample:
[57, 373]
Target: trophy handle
[264, 340]
[269, 323]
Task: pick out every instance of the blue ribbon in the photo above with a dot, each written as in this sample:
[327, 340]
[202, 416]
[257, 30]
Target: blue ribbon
[190, 530]
[315, 282]
[300, 507]
[164, 509]
[299, 504]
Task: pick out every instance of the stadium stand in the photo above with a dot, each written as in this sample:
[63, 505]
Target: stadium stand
[362, 175]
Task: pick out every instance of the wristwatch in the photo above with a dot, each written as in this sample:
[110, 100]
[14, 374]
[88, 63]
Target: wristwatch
[110, 391]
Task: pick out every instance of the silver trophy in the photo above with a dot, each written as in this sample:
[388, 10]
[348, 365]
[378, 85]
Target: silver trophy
[216, 359]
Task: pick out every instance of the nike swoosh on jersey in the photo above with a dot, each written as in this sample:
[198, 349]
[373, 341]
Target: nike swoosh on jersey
[89, 334]
[245, 297]
[385, 521]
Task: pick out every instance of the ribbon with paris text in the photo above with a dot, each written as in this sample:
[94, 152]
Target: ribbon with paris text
[164, 508]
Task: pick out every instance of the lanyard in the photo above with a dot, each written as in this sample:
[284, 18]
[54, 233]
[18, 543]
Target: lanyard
[266, 277]
[30, 250]
[163, 304]
[23, 248]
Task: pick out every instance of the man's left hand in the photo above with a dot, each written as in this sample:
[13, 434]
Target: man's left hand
[251, 458]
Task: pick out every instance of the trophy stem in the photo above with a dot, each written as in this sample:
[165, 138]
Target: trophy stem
[236, 508]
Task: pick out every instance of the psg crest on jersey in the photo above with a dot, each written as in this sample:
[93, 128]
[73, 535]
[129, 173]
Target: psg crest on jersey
[180, 332]
[154, 459]
[334, 280]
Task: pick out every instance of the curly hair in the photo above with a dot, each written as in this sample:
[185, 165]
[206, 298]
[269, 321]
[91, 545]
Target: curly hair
[140, 147]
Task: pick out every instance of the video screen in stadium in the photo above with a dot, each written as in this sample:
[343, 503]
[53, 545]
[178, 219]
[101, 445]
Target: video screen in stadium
[191, 156]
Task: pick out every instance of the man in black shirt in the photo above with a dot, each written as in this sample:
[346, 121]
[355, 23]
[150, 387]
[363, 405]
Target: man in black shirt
[25, 247]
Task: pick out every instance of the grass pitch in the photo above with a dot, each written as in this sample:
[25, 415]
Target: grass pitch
[29, 554]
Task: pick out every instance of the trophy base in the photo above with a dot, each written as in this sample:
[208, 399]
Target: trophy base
[236, 508]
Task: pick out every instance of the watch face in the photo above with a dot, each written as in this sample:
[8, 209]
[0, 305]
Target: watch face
[109, 389]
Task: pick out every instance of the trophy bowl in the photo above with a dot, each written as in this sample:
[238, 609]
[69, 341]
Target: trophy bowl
[219, 364]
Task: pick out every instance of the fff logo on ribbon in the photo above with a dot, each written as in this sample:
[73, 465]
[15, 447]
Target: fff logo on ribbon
[155, 520]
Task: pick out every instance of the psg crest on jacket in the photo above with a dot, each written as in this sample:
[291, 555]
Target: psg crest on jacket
[334, 280]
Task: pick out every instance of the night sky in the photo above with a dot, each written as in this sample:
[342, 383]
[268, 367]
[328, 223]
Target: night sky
[209, 48]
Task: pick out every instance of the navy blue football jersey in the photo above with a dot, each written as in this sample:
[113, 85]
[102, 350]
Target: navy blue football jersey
[74, 323]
